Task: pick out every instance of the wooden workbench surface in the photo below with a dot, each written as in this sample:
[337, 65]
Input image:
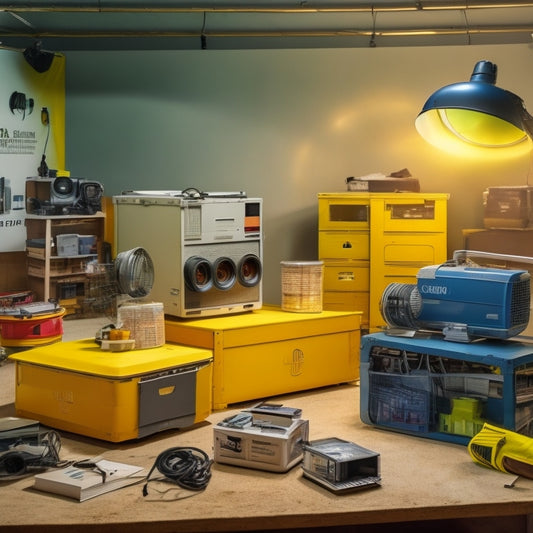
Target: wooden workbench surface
[422, 480]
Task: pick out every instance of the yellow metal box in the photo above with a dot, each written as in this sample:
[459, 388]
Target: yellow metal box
[76, 387]
[269, 352]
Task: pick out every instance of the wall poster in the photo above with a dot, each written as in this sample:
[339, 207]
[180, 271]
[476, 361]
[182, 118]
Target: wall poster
[32, 132]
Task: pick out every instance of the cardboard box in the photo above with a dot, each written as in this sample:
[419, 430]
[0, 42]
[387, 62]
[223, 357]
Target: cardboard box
[262, 448]
[77, 387]
[270, 352]
[500, 241]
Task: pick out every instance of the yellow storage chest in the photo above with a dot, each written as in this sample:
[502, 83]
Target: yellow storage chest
[113, 396]
[368, 240]
[268, 352]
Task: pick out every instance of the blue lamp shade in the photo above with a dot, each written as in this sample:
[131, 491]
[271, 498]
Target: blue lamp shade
[475, 112]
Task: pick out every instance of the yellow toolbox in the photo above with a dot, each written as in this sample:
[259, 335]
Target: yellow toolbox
[113, 396]
[268, 352]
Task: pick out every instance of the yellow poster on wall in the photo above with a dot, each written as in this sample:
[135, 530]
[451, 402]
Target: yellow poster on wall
[32, 136]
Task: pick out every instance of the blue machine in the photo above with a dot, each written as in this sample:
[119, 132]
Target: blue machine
[463, 302]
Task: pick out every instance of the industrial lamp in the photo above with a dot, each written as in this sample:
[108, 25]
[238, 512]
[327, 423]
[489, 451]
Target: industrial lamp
[476, 113]
[39, 59]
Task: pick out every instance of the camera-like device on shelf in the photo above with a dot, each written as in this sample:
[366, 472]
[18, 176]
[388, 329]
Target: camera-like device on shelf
[63, 195]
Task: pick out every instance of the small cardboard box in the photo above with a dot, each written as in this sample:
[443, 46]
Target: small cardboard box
[263, 447]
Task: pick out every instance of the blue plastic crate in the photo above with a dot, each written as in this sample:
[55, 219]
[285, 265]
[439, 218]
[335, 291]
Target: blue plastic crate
[444, 390]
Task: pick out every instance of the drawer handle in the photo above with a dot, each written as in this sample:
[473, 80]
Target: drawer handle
[347, 244]
[165, 391]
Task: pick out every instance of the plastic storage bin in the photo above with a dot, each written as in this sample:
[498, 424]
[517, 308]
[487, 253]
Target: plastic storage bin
[67, 244]
[445, 390]
[87, 244]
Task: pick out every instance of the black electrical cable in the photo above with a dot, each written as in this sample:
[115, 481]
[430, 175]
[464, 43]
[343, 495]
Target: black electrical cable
[189, 468]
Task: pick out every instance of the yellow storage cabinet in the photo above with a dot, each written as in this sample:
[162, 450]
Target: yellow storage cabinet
[113, 396]
[368, 240]
[270, 352]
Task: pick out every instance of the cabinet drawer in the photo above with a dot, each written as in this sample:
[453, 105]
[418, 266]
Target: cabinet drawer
[345, 213]
[343, 245]
[411, 214]
[346, 276]
[416, 254]
[409, 248]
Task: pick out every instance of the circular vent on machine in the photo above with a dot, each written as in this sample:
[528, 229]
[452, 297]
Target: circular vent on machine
[401, 305]
[197, 273]
[225, 273]
[135, 272]
[250, 270]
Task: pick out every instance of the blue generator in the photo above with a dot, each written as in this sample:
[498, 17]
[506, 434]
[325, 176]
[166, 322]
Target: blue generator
[463, 302]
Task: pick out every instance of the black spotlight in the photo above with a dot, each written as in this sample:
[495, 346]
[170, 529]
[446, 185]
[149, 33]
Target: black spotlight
[39, 59]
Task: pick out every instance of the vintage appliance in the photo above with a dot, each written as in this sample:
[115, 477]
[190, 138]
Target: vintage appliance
[508, 207]
[63, 195]
[206, 247]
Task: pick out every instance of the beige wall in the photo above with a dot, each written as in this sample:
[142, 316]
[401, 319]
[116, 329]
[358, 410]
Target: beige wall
[283, 125]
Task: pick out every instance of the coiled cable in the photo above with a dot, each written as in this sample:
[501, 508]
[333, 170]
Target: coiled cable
[189, 468]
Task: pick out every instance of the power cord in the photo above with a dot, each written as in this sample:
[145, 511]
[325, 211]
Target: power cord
[189, 468]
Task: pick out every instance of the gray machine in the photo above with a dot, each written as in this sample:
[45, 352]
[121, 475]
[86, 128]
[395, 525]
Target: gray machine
[206, 248]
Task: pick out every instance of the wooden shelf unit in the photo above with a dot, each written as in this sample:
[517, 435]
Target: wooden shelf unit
[57, 276]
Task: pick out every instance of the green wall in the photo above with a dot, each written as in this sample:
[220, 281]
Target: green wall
[282, 125]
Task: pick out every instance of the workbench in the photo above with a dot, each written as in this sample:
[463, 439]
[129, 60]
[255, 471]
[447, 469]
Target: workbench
[424, 482]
